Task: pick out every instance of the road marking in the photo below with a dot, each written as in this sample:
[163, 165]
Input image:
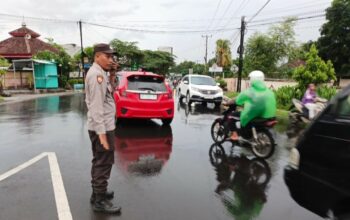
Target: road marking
[62, 204]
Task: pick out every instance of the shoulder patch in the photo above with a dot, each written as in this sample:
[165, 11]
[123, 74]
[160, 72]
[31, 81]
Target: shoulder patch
[99, 79]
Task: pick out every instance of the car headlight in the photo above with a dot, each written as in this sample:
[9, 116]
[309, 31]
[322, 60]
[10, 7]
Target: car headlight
[294, 158]
[195, 89]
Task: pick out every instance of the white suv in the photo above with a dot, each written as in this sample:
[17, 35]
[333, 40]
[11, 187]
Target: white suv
[200, 88]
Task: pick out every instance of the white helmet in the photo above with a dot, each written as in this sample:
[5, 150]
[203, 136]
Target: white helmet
[256, 75]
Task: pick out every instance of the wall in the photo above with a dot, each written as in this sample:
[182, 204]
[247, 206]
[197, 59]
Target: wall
[274, 84]
[12, 80]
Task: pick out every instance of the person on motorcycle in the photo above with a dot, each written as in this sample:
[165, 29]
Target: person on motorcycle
[309, 100]
[258, 102]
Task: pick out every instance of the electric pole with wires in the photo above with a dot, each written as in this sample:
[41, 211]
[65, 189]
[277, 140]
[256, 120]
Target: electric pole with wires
[241, 51]
[206, 52]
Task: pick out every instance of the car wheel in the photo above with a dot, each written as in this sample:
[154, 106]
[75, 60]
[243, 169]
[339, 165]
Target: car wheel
[167, 121]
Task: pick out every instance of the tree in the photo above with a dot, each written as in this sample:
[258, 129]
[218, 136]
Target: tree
[157, 61]
[315, 70]
[334, 43]
[269, 52]
[4, 64]
[223, 53]
[127, 52]
[184, 67]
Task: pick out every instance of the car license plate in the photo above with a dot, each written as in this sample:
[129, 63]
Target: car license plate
[147, 157]
[148, 96]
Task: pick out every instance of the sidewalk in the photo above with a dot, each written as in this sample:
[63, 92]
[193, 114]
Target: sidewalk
[24, 97]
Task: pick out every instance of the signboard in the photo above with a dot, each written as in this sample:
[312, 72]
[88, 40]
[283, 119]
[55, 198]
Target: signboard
[215, 68]
[190, 71]
[87, 65]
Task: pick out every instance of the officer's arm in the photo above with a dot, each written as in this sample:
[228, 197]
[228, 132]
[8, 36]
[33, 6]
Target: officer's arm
[242, 98]
[98, 94]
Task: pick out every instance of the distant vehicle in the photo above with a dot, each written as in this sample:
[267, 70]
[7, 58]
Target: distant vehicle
[200, 88]
[143, 95]
[318, 174]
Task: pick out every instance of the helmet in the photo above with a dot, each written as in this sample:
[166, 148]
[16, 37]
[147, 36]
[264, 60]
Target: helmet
[256, 75]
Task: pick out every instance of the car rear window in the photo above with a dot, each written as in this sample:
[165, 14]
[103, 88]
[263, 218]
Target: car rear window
[148, 83]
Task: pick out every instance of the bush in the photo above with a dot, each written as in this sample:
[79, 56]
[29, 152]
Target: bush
[62, 81]
[75, 81]
[223, 84]
[285, 94]
[326, 92]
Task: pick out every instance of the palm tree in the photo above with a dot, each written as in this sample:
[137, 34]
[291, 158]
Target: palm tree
[223, 53]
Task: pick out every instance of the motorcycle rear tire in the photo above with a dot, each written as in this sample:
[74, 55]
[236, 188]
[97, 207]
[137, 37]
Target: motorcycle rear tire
[265, 140]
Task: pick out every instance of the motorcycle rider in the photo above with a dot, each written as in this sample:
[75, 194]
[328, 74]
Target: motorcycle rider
[309, 100]
[258, 102]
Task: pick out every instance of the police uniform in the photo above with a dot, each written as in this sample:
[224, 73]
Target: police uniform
[101, 120]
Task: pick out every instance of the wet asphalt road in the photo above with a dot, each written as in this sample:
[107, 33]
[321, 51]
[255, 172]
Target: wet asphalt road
[160, 173]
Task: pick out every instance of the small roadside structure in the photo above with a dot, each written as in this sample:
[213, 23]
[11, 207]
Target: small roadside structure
[44, 73]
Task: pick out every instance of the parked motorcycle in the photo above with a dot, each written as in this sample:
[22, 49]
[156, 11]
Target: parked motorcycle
[256, 135]
[299, 113]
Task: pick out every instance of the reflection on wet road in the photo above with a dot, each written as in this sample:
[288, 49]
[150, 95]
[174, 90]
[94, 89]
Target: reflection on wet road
[159, 173]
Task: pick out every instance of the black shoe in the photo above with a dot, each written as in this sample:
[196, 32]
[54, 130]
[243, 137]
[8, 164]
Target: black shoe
[105, 206]
[108, 195]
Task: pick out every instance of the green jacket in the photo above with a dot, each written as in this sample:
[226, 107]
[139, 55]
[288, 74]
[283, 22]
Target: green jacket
[258, 101]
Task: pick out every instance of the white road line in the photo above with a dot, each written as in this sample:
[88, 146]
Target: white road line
[62, 204]
[22, 166]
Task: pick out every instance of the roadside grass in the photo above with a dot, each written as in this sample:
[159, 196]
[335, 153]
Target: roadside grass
[1, 99]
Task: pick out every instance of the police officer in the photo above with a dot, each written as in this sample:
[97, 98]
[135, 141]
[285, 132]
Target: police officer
[101, 125]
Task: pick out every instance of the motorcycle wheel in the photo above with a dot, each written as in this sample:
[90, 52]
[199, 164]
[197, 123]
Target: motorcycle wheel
[218, 131]
[265, 145]
[217, 154]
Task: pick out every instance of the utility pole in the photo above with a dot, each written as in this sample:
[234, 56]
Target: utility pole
[82, 51]
[206, 52]
[241, 51]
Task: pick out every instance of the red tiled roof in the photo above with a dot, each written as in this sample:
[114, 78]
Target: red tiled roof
[21, 32]
[21, 46]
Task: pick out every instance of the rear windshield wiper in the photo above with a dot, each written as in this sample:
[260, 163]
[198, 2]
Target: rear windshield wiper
[148, 89]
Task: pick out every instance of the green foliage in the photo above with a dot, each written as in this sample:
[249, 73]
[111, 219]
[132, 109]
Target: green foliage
[157, 61]
[88, 51]
[266, 52]
[184, 67]
[223, 53]
[128, 53]
[315, 71]
[334, 43]
[326, 91]
[285, 94]
[3, 63]
[75, 81]
[62, 81]
[222, 83]
[231, 94]
[62, 58]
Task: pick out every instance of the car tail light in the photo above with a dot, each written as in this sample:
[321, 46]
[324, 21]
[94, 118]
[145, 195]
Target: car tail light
[169, 95]
[123, 93]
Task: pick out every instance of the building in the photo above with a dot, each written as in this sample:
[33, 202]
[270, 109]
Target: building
[71, 49]
[166, 49]
[24, 43]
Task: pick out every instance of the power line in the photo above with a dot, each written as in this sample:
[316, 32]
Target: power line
[294, 19]
[258, 12]
[216, 11]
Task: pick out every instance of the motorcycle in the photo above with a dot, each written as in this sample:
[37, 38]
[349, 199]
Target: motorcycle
[299, 113]
[255, 136]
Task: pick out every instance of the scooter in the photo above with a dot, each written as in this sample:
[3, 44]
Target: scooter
[299, 113]
[255, 135]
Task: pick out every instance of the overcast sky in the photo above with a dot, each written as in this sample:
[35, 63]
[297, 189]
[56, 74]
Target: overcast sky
[157, 15]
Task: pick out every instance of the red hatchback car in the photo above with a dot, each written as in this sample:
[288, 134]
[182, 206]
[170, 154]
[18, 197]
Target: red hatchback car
[143, 95]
